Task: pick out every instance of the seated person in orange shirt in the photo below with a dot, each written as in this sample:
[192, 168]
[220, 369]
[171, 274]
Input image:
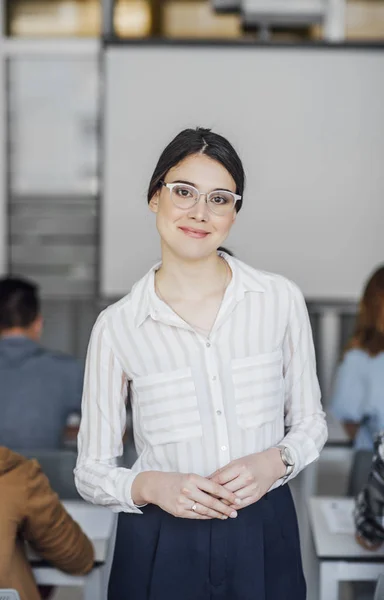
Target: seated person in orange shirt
[30, 511]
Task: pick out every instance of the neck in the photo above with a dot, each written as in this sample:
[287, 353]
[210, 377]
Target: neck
[17, 332]
[193, 279]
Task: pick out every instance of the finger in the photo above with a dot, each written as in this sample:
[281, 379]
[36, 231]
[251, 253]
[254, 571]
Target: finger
[238, 484]
[227, 474]
[212, 475]
[208, 512]
[196, 516]
[216, 490]
[250, 496]
[214, 504]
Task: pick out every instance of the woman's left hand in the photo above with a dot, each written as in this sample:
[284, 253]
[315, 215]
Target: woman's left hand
[251, 476]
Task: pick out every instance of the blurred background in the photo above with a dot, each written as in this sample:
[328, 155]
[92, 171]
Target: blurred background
[56, 82]
[90, 93]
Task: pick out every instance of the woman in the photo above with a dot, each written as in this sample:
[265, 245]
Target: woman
[358, 397]
[220, 362]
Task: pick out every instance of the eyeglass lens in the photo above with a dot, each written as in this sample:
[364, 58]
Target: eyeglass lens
[185, 196]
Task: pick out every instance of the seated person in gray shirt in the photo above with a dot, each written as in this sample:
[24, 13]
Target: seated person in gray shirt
[39, 389]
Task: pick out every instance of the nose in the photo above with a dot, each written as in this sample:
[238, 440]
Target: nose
[199, 211]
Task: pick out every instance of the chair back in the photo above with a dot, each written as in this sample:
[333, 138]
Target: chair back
[9, 595]
[379, 590]
[361, 466]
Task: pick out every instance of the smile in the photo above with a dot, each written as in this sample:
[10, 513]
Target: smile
[195, 233]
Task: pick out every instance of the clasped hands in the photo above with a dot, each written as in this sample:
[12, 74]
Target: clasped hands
[240, 483]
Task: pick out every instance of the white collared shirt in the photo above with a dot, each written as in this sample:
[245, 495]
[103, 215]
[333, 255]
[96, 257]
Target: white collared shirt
[198, 403]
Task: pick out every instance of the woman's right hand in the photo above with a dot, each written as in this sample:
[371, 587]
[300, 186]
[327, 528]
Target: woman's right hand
[177, 493]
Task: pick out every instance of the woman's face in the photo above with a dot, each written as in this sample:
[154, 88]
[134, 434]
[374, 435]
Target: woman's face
[196, 232]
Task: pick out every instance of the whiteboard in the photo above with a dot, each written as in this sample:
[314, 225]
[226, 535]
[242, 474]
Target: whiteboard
[309, 126]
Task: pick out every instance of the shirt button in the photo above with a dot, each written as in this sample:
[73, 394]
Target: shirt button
[214, 378]
[223, 448]
[218, 412]
[208, 344]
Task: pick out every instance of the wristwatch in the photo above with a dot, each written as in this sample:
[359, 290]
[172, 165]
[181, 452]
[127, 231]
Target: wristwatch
[286, 457]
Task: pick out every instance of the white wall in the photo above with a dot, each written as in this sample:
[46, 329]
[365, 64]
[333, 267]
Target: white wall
[309, 125]
[3, 169]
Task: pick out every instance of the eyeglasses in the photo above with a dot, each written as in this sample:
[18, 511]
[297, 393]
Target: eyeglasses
[184, 196]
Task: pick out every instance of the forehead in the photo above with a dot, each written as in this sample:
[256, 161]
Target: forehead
[202, 171]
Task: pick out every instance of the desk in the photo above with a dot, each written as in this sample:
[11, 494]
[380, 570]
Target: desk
[330, 473]
[337, 436]
[99, 524]
[340, 556]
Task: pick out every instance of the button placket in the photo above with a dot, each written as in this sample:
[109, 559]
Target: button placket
[217, 401]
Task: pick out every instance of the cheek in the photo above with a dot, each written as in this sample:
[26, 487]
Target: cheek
[224, 224]
[167, 216]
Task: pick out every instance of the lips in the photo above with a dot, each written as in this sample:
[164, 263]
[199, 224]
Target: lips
[194, 233]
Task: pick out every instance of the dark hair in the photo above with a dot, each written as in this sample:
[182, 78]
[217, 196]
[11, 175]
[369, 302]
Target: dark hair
[199, 141]
[223, 249]
[19, 303]
[369, 329]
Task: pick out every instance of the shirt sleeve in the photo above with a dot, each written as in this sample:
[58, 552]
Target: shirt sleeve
[98, 477]
[304, 419]
[348, 398]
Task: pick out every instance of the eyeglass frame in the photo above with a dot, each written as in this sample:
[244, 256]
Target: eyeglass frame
[170, 186]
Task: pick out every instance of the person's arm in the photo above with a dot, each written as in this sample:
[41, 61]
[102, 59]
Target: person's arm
[50, 529]
[100, 442]
[305, 425]
[347, 401]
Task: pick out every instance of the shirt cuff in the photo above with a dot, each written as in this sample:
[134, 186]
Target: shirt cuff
[136, 507]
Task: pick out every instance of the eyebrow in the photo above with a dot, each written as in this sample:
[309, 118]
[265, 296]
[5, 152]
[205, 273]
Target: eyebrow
[195, 186]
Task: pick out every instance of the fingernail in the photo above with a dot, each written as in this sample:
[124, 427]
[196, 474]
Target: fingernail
[238, 501]
[233, 515]
[224, 517]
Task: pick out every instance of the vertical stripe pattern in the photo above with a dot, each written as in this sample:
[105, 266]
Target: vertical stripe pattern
[197, 404]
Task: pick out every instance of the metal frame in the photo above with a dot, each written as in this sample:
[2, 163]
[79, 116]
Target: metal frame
[108, 7]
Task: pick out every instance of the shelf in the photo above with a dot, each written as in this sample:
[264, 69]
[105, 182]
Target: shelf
[11, 47]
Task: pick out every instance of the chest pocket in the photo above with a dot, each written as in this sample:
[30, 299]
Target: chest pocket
[168, 406]
[259, 389]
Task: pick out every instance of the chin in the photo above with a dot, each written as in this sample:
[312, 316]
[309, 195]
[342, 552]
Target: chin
[191, 252]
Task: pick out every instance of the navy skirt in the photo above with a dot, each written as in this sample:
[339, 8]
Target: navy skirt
[253, 557]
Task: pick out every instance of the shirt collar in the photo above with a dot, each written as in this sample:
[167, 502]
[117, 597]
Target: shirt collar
[144, 295]
[146, 303]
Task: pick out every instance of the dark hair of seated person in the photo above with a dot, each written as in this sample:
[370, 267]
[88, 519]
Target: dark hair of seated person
[19, 303]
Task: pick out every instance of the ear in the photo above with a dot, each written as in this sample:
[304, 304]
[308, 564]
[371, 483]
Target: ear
[154, 202]
[234, 216]
[37, 327]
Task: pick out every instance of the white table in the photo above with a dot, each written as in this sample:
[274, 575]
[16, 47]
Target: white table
[337, 436]
[99, 524]
[341, 558]
[337, 450]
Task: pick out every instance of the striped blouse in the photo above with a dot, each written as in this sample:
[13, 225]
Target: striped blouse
[198, 403]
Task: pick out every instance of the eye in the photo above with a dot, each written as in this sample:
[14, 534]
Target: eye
[183, 191]
[220, 199]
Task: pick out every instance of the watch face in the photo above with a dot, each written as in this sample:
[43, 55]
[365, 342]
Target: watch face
[288, 457]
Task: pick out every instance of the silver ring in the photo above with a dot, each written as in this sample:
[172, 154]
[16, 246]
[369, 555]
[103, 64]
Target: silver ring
[194, 507]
